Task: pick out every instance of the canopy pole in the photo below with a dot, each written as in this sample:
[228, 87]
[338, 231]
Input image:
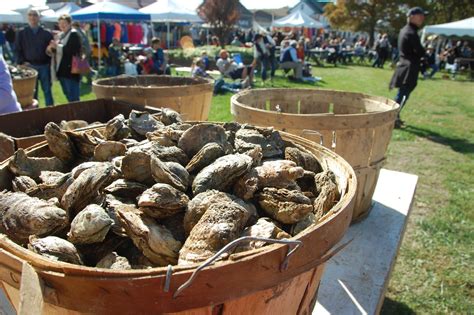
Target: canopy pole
[168, 35]
[98, 43]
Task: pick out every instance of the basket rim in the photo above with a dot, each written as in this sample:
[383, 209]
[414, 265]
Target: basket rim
[201, 82]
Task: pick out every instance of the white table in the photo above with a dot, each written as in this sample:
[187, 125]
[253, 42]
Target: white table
[356, 279]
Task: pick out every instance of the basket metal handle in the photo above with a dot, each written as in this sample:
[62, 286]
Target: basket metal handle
[321, 139]
[293, 245]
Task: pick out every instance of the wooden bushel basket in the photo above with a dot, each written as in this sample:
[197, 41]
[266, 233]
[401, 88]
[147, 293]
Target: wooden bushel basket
[356, 126]
[269, 280]
[191, 97]
[25, 89]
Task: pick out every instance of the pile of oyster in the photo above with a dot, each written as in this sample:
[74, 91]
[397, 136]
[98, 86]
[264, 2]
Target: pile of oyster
[153, 191]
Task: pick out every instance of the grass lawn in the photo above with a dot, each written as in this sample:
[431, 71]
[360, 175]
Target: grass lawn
[433, 272]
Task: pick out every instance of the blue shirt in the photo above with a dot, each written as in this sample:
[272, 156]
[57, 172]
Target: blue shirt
[8, 101]
[288, 54]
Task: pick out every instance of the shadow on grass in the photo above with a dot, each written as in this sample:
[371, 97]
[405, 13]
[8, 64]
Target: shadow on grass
[457, 144]
[85, 88]
[390, 307]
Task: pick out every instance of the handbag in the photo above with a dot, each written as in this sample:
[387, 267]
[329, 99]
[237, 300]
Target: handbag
[80, 66]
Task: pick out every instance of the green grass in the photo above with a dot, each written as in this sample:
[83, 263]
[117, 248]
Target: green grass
[433, 272]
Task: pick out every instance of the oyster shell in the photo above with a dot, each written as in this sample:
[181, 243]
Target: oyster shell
[208, 154]
[170, 154]
[107, 150]
[111, 204]
[86, 187]
[169, 116]
[125, 189]
[91, 254]
[328, 193]
[285, 206]
[59, 143]
[116, 129]
[304, 159]
[197, 136]
[170, 173]
[55, 248]
[278, 173]
[249, 138]
[84, 143]
[53, 188]
[73, 124]
[308, 221]
[22, 216]
[143, 122]
[21, 164]
[201, 202]
[51, 178]
[165, 136]
[114, 261]
[162, 201]
[91, 225]
[307, 184]
[222, 223]
[23, 183]
[154, 240]
[175, 225]
[222, 173]
[136, 167]
[264, 227]
[76, 171]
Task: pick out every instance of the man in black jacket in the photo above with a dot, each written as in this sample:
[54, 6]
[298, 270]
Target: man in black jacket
[411, 51]
[31, 44]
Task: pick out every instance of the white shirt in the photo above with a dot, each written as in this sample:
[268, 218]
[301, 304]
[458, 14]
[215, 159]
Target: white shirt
[223, 63]
[130, 68]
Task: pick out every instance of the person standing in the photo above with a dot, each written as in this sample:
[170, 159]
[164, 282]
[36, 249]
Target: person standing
[411, 51]
[31, 44]
[67, 47]
[8, 100]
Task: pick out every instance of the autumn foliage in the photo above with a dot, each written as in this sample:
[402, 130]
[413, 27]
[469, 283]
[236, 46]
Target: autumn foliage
[222, 15]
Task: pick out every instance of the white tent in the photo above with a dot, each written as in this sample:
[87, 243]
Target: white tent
[169, 11]
[7, 16]
[68, 8]
[459, 28]
[297, 19]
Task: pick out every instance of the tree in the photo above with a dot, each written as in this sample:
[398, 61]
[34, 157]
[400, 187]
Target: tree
[221, 15]
[370, 15]
[445, 11]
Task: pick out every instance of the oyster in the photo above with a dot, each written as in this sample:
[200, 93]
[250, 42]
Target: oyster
[201, 202]
[114, 261]
[222, 173]
[21, 164]
[222, 223]
[90, 226]
[59, 143]
[154, 240]
[328, 193]
[125, 188]
[111, 204]
[22, 216]
[170, 154]
[265, 228]
[55, 248]
[73, 124]
[143, 122]
[7, 146]
[208, 154]
[278, 173]
[136, 167]
[107, 150]
[91, 254]
[86, 187]
[52, 188]
[197, 136]
[285, 206]
[75, 172]
[175, 225]
[117, 129]
[169, 116]
[23, 183]
[307, 184]
[249, 138]
[162, 201]
[84, 143]
[304, 159]
[165, 136]
[170, 173]
[308, 221]
[51, 177]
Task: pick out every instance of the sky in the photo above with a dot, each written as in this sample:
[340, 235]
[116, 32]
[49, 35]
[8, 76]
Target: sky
[249, 4]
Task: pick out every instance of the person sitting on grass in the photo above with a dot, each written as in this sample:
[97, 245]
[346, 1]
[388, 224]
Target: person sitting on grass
[229, 68]
[289, 60]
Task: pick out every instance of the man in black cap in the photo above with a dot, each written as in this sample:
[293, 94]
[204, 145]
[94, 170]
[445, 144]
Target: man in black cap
[411, 51]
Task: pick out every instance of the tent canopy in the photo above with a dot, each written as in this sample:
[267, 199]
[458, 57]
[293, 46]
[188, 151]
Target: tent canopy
[170, 11]
[109, 11]
[459, 28]
[297, 19]
[7, 16]
[68, 8]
